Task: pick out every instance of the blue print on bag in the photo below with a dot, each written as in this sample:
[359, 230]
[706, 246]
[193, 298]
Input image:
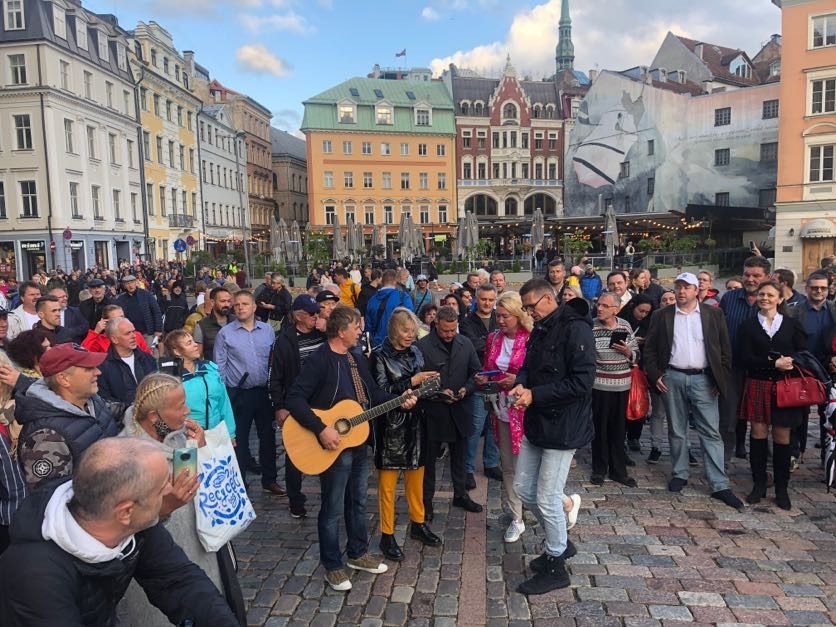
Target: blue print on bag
[222, 496]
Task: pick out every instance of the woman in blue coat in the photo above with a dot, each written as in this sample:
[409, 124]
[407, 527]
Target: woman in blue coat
[206, 393]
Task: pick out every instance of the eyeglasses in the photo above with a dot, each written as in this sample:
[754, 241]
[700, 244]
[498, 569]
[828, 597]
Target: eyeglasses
[817, 288]
[533, 306]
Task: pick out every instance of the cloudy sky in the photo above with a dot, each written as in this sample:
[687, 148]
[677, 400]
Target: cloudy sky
[283, 51]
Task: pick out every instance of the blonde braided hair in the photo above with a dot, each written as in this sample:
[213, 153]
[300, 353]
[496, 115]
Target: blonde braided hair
[151, 392]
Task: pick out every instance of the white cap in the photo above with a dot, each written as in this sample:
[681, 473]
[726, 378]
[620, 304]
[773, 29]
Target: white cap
[687, 277]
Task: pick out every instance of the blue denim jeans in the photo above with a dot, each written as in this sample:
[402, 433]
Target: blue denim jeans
[490, 454]
[343, 487]
[539, 481]
[694, 394]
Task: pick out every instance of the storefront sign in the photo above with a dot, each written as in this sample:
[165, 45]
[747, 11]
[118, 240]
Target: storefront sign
[76, 245]
[33, 247]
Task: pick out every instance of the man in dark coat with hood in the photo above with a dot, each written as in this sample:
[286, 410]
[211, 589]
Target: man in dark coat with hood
[555, 387]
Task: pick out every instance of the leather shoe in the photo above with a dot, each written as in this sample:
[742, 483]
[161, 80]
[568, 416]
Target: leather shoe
[389, 547]
[493, 473]
[470, 482]
[676, 484]
[421, 532]
[465, 502]
[275, 488]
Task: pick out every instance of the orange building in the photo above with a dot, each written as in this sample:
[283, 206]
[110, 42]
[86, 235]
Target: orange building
[378, 149]
[805, 225]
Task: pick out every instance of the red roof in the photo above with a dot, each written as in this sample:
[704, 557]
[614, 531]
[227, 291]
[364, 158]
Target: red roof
[717, 59]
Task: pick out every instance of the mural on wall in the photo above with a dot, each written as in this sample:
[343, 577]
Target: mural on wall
[646, 149]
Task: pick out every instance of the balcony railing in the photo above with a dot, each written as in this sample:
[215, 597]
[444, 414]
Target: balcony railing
[180, 220]
[509, 181]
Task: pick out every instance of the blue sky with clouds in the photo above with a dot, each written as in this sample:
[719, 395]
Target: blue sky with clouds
[283, 51]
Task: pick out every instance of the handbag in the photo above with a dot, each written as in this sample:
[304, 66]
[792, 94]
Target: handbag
[801, 391]
[638, 403]
[222, 507]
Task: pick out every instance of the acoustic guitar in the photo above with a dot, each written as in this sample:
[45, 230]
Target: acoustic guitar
[351, 422]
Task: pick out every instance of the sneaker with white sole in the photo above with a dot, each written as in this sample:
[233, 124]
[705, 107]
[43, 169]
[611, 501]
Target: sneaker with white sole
[572, 514]
[514, 531]
[369, 563]
[338, 580]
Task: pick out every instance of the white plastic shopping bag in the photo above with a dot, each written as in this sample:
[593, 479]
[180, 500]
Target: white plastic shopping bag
[222, 505]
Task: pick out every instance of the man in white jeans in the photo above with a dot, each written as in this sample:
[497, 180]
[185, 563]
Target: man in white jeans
[555, 387]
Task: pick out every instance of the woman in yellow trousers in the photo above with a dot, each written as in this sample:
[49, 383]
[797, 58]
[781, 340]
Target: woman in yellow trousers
[399, 435]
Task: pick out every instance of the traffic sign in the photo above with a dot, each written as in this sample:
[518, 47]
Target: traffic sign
[67, 234]
[52, 246]
[191, 241]
[180, 245]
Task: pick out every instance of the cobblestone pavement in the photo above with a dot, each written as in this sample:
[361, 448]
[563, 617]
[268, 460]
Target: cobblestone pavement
[645, 557]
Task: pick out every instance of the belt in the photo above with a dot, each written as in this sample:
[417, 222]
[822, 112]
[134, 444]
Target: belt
[691, 370]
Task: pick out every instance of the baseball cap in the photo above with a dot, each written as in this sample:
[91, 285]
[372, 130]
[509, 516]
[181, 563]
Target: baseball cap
[326, 295]
[687, 277]
[421, 277]
[63, 356]
[128, 277]
[95, 283]
[306, 303]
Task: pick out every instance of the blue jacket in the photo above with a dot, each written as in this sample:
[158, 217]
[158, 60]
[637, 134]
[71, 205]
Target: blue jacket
[117, 383]
[143, 310]
[379, 309]
[207, 380]
[591, 286]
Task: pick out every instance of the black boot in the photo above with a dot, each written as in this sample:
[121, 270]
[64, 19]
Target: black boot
[389, 547]
[554, 576]
[420, 531]
[757, 461]
[781, 468]
[538, 564]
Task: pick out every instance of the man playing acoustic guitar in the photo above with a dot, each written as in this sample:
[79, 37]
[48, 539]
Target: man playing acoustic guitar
[334, 372]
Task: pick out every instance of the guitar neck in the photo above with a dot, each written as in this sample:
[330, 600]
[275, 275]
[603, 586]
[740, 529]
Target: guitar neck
[374, 412]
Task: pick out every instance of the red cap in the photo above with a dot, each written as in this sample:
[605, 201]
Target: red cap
[63, 356]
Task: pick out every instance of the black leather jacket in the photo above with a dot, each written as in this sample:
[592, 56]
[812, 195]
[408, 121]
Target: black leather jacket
[398, 435]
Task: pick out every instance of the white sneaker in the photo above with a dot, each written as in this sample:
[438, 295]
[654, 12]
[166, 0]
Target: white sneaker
[515, 530]
[572, 514]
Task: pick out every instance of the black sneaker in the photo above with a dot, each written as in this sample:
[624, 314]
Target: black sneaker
[538, 564]
[298, 511]
[728, 497]
[554, 576]
[676, 484]
[655, 456]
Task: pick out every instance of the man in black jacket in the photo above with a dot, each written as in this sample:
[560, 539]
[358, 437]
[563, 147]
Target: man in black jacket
[292, 347]
[125, 365]
[142, 309]
[92, 308]
[555, 387]
[76, 546]
[48, 309]
[448, 415]
[71, 317]
[476, 327]
[334, 372]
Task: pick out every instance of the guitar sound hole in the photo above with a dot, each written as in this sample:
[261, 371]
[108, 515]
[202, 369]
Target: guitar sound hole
[342, 426]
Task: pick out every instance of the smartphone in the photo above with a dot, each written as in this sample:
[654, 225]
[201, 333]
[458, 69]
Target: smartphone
[489, 373]
[170, 365]
[752, 245]
[618, 336]
[185, 459]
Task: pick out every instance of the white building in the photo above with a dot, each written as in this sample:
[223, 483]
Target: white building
[223, 168]
[70, 179]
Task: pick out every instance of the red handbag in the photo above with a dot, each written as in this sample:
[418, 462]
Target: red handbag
[638, 402]
[800, 391]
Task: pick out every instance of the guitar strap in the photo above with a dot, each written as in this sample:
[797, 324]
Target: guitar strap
[359, 388]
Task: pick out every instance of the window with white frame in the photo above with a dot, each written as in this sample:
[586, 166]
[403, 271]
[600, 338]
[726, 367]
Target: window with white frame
[347, 148]
[821, 163]
[103, 50]
[111, 147]
[367, 180]
[149, 197]
[126, 102]
[327, 148]
[346, 113]
[88, 85]
[80, 33]
[23, 132]
[386, 180]
[368, 210]
[68, 136]
[824, 30]
[135, 207]
[160, 149]
[722, 117]
[121, 57]
[440, 150]
[130, 148]
[59, 22]
[385, 149]
[2, 200]
[404, 180]
[423, 180]
[404, 149]
[17, 69]
[96, 202]
[383, 114]
[442, 214]
[29, 199]
[467, 170]
[74, 212]
[423, 117]
[366, 148]
[388, 217]
[146, 145]
[466, 137]
[722, 156]
[823, 94]
[330, 213]
[424, 214]
[348, 179]
[422, 150]
[109, 94]
[14, 14]
[442, 180]
[117, 205]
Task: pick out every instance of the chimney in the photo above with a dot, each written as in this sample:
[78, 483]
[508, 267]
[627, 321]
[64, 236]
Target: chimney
[698, 50]
[776, 39]
[593, 74]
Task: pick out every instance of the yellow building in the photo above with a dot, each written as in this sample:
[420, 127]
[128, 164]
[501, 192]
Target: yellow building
[169, 111]
[378, 149]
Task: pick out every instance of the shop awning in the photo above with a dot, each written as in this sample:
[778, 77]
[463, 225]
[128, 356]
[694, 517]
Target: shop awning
[820, 228]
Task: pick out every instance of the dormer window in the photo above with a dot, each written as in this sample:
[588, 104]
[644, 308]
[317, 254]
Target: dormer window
[347, 112]
[775, 68]
[80, 33]
[13, 12]
[103, 53]
[59, 22]
[536, 112]
[121, 57]
[464, 107]
[423, 116]
[383, 114]
[739, 67]
[509, 111]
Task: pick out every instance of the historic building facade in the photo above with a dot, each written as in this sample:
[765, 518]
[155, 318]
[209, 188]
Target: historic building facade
[290, 177]
[70, 189]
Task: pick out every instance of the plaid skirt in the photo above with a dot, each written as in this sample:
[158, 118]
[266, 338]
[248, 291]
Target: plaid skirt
[757, 401]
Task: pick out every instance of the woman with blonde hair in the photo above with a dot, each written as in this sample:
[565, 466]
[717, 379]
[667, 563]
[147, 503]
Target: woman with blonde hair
[160, 415]
[399, 435]
[505, 351]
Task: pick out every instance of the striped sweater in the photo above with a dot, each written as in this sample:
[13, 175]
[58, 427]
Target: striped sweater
[612, 369]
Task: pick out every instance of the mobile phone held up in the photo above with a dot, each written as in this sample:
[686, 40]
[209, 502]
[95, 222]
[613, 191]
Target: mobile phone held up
[185, 459]
[489, 373]
[618, 336]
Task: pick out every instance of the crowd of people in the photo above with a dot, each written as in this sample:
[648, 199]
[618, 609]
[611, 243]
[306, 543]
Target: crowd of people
[104, 376]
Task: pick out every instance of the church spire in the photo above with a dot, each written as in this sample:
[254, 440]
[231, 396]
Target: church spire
[565, 52]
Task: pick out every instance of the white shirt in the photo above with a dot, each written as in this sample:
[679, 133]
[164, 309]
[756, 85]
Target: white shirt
[688, 348]
[130, 361]
[503, 360]
[776, 323]
[29, 320]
